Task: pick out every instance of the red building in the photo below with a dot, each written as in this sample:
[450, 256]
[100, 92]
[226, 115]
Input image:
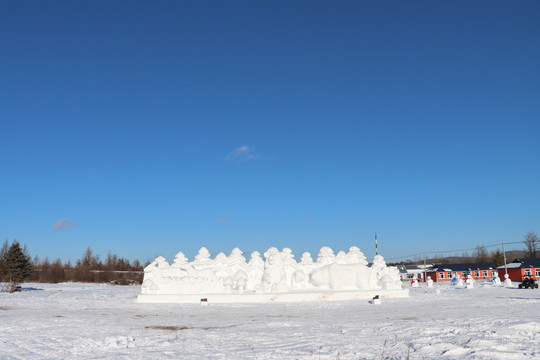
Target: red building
[479, 271]
[519, 269]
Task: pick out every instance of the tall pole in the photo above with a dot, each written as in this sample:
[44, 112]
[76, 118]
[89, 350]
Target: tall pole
[425, 266]
[376, 250]
[504, 255]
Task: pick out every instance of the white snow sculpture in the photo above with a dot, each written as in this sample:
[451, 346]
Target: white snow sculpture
[289, 264]
[326, 256]
[220, 265]
[507, 281]
[274, 278]
[300, 278]
[153, 273]
[429, 281]
[256, 260]
[356, 256]
[469, 282]
[277, 273]
[459, 281]
[341, 276]
[382, 276]
[414, 282]
[341, 258]
[180, 260]
[202, 259]
[254, 269]
[306, 263]
[496, 281]
[236, 259]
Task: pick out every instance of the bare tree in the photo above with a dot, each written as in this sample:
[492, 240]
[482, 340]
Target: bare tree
[531, 244]
[480, 254]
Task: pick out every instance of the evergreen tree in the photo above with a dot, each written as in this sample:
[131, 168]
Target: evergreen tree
[17, 265]
[3, 251]
[497, 258]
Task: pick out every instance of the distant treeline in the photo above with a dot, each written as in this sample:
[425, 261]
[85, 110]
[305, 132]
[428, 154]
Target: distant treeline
[479, 255]
[90, 268]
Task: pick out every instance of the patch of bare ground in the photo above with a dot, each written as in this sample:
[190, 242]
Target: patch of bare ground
[4, 308]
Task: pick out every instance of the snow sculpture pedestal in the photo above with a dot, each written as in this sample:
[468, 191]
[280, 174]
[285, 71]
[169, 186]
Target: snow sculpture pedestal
[277, 278]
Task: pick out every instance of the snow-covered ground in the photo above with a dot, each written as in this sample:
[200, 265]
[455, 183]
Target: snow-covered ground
[88, 321]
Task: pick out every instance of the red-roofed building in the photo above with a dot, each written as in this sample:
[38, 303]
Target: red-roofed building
[519, 269]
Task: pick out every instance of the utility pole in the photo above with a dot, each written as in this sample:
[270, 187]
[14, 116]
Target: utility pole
[425, 266]
[376, 250]
[504, 256]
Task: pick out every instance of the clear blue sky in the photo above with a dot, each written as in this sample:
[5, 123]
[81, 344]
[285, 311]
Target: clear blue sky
[154, 127]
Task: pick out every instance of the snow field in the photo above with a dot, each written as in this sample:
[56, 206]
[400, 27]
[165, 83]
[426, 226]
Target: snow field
[93, 321]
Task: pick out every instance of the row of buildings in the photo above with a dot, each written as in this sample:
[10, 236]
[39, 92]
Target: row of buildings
[517, 270]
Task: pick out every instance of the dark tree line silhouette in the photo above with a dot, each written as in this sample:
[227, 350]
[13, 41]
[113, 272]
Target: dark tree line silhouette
[89, 268]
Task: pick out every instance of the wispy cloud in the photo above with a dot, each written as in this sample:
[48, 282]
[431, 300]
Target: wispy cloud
[241, 154]
[64, 223]
[222, 220]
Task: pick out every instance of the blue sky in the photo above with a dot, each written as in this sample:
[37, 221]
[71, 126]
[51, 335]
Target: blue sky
[149, 128]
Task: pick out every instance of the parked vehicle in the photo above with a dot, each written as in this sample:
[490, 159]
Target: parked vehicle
[528, 283]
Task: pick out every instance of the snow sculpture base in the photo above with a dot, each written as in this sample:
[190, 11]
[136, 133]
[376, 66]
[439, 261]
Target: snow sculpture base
[272, 298]
[277, 278]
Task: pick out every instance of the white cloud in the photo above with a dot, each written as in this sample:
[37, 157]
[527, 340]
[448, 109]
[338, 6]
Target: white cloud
[64, 223]
[242, 153]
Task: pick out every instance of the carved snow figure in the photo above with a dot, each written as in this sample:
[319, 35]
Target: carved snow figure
[274, 279]
[496, 280]
[228, 282]
[153, 273]
[414, 282]
[341, 258]
[202, 259]
[459, 281]
[277, 273]
[390, 279]
[241, 285]
[469, 282]
[289, 264]
[221, 265]
[240, 280]
[306, 263]
[507, 281]
[256, 260]
[429, 281]
[255, 269]
[355, 256]
[180, 260]
[180, 267]
[236, 259]
[235, 262]
[326, 256]
[299, 280]
[383, 277]
[341, 276]
[204, 281]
